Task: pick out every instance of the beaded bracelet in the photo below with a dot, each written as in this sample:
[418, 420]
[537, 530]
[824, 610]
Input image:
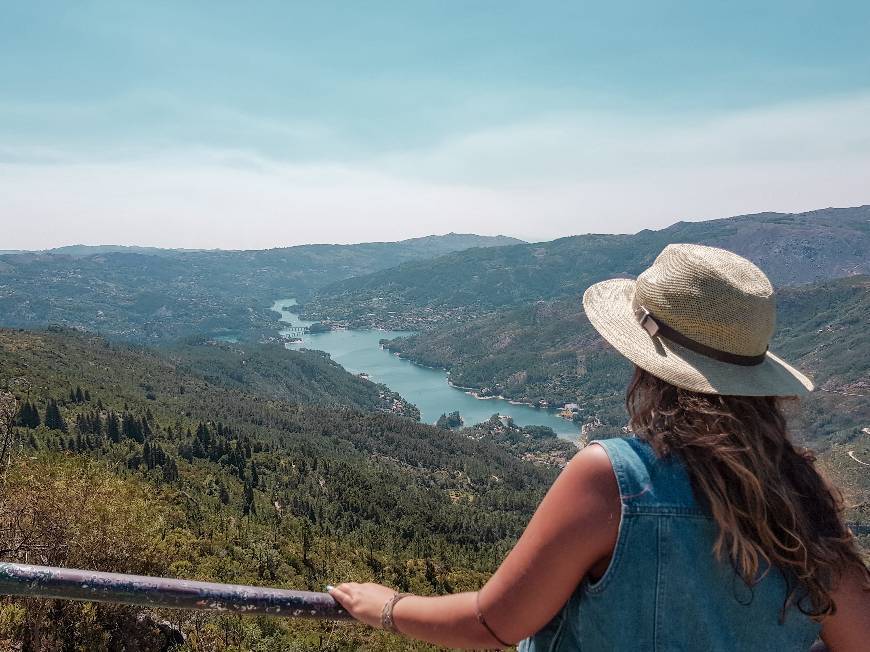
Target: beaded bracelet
[387, 621]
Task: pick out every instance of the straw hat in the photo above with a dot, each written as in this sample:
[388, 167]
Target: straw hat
[700, 318]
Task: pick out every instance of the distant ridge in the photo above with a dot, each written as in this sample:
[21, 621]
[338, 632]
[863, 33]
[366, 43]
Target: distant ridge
[90, 250]
[146, 294]
[793, 248]
[448, 242]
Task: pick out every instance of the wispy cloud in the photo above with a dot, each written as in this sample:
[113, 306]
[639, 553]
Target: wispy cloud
[142, 124]
[542, 178]
[586, 146]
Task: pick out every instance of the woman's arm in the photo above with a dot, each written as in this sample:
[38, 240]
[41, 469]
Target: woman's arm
[848, 630]
[574, 527]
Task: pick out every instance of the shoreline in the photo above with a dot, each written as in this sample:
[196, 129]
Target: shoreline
[473, 392]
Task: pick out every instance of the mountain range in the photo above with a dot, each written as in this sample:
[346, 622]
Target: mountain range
[147, 295]
[159, 429]
[791, 248]
[547, 351]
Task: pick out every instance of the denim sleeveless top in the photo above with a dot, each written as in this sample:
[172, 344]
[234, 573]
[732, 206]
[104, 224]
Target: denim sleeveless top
[664, 588]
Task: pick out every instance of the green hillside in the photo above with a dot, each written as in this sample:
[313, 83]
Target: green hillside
[151, 296]
[791, 248]
[547, 351]
[247, 462]
[141, 463]
[271, 370]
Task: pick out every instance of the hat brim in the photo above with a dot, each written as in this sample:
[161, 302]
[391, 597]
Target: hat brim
[608, 306]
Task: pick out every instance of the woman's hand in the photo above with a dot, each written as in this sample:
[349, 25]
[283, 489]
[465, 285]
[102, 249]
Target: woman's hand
[365, 602]
[566, 537]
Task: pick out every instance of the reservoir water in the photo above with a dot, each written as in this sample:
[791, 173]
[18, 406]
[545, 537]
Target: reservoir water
[359, 351]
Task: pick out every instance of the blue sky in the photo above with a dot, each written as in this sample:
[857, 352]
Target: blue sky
[227, 124]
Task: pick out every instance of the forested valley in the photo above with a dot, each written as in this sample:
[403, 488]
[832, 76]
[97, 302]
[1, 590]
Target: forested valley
[509, 322]
[129, 460]
[151, 421]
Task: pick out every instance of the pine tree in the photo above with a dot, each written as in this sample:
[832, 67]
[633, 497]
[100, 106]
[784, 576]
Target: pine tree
[131, 428]
[127, 425]
[430, 574]
[306, 540]
[96, 424]
[28, 415]
[80, 397]
[186, 452]
[249, 508]
[198, 449]
[23, 417]
[203, 434]
[50, 418]
[170, 470]
[53, 418]
[113, 428]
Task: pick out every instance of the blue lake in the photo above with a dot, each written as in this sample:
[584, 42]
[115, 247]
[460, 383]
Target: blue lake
[359, 351]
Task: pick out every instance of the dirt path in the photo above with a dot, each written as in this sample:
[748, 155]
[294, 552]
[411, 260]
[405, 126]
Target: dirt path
[852, 455]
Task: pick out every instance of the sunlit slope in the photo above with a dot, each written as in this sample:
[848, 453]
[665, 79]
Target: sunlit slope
[791, 248]
[273, 371]
[150, 296]
[548, 351]
[244, 487]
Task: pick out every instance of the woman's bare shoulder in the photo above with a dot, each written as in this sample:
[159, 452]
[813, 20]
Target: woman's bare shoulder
[848, 629]
[590, 475]
[592, 465]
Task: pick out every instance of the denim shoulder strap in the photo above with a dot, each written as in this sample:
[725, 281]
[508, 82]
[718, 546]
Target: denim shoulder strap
[647, 483]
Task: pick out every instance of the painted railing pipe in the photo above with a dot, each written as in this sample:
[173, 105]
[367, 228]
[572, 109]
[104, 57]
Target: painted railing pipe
[72, 584]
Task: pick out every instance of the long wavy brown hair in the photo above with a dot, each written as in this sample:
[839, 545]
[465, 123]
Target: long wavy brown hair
[772, 508]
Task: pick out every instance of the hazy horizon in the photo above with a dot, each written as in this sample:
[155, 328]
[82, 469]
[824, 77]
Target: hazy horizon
[427, 235]
[301, 244]
[239, 128]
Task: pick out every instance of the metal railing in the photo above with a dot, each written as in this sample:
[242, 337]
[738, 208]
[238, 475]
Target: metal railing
[141, 590]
